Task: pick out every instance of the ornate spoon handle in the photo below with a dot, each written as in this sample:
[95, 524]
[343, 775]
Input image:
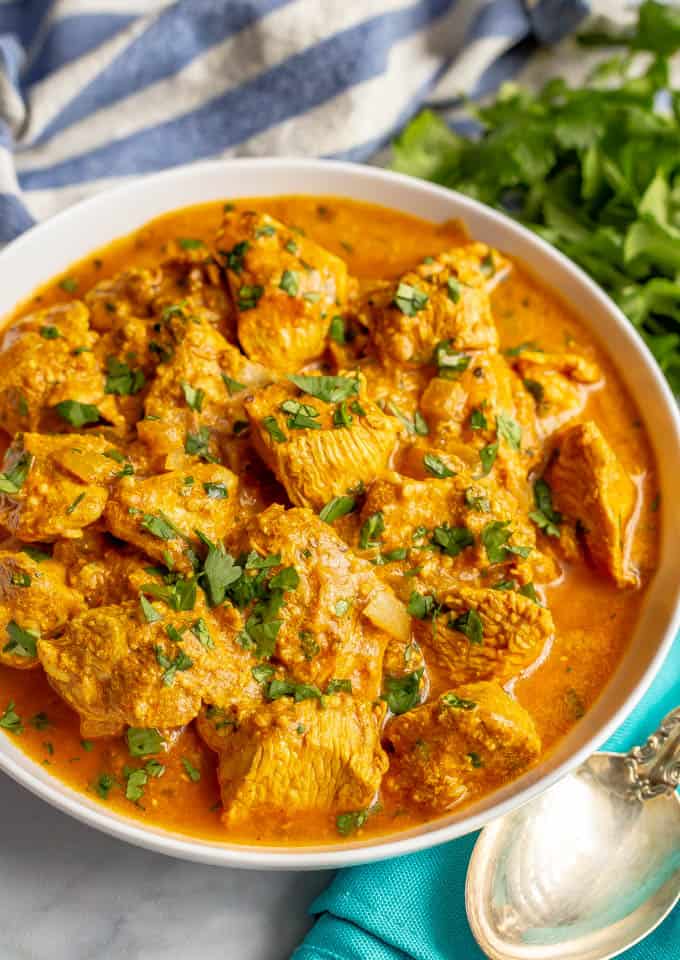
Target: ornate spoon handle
[654, 768]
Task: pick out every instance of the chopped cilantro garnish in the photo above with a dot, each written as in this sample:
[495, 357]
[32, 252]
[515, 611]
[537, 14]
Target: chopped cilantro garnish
[233, 386]
[122, 379]
[249, 297]
[272, 427]
[470, 625]
[545, 516]
[350, 822]
[422, 606]
[10, 719]
[495, 536]
[143, 741]
[452, 540]
[450, 363]
[13, 479]
[478, 420]
[509, 430]
[198, 445]
[403, 693]
[194, 396]
[49, 332]
[74, 506]
[21, 643]
[328, 389]
[337, 507]
[290, 282]
[190, 243]
[458, 703]
[488, 455]
[371, 529]
[215, 491]
[69, 284]
[190, 770]
[336, 330]
[409, 299]
[76, 413]
[235, 256]
[181, 661]
[435, 466]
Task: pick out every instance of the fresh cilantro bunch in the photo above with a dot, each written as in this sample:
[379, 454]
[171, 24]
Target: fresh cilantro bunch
[595, 170]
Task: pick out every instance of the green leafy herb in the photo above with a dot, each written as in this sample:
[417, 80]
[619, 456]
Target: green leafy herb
[198, 445]
[495, 536]
[421, 605]
[216, 491]
[263, 672]
[10, 719]
[190, 243]
[341, 416]
[302, 415]
[13, 480]
[458, 703]
[236, 255]
[591, 168]
[273, 429]
[179, 595]
[453, 289]
[409, 299]
[151, 615]
[40, 720]
[49, 332]
[328, 389]
[336, 330]
[143, 741]
[219, 572]
[338, 686]
[350, 822]
[470, 625]
[477, 501]
[488, 455]
[337, 507]
[69, 284]
[290, 282]
[285, 579]
[529, 590]
[190, 770]
[159, 526]
[122, 379]
[310, 647]
[78, 500]
[371, 530]
[509, 430]
[436, 467]
[452, 540]
[194, 396]
[21, 643]
[450, 363]
[545, 516]
[202, 634]
[136, 781]
[104, 784]
[265, 231]
[249, 297]
[478, 420]
[402, 693]
[233, 386]
[180, 662]
[288, 688]
[535, 388]
[77, 414]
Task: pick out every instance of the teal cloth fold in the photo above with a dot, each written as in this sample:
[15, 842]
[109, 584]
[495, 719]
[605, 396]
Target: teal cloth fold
[414, 906]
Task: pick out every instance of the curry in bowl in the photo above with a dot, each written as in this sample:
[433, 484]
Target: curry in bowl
[319, 520]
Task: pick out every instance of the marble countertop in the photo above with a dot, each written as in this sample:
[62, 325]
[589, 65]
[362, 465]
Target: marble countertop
[72, 893]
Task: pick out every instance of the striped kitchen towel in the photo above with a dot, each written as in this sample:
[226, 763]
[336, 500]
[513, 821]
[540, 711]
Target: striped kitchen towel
[96, 91]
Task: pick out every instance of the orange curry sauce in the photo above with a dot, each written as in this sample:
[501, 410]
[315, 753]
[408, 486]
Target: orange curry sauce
[594, 620]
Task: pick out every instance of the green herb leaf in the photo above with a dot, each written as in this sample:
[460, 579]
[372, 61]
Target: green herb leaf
[371, 530]
[122, 379]
[49, 332]
[21, 643]
[194, 396]
[458, 703]
[436, 467]
[190, 770]
[290, 282]
[337, 507]
[338, 686]
[143, 741]
[216, 491]
[249, 297]
[409, 299]
[77, 414]
[13, 480]
[219, 572]
[488, 455]
[10, 719]
[151, 615]
[470, 625]
[328, 389]
[233, 386]
[273, 429]
[190, 243]
[545, 516]
[478, 420]
[422, 606]
[450, 363]
[198, 445]
[236, 255]
[403, 693]
[350, 822]
[69, 284]
[509, 430]
[336, 330]
[452, 540]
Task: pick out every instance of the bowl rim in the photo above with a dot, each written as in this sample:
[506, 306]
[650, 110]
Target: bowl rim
[68, 800]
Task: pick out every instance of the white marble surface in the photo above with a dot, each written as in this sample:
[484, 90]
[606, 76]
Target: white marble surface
[71, 893]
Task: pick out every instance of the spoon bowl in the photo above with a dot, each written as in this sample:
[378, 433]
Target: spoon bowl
[582, 872]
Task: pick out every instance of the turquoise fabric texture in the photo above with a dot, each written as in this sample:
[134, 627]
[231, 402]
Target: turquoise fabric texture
[414, 906]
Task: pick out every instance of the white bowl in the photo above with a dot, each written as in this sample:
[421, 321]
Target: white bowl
[50, 248]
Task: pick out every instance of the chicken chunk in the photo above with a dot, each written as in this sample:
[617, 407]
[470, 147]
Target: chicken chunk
[101, 569]
[450, 528]
[592, 489]
[337, 616]
[484, 634]
[46, 359]
[284, 286]
[161, 514]
[472, 739]
[486, 408]
[321, 448]
[444, 298]
[59, 484]
[34, 602]
[201, 387]
[559, 384]
[114, 668]
[304, 756]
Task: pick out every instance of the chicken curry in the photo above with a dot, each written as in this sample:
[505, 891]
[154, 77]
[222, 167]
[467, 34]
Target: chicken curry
[319, 520]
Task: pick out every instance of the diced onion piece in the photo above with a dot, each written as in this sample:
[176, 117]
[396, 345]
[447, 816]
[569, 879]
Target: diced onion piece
[389, 614]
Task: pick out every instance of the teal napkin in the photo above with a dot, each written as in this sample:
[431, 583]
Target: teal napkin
[414, 906]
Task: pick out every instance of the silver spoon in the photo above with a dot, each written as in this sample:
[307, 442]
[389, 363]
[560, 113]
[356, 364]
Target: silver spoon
[588, 868]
